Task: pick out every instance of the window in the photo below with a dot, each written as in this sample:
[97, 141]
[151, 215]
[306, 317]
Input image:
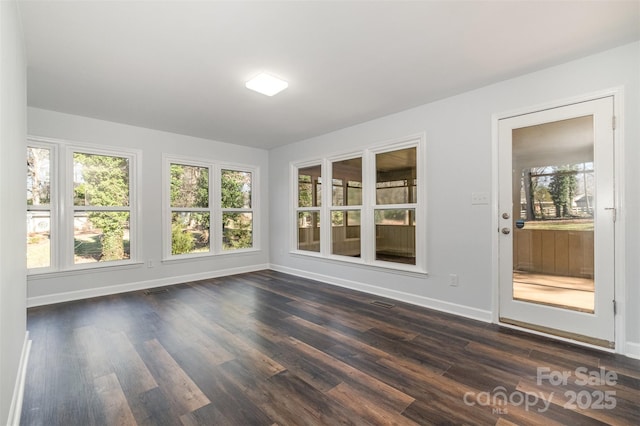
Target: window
[346, 207]
[237, 213]
[39, 205]
[101, 208]
[190, 212]
[395, 212]
[80, 206]
[309, 201]
[375, 209]
[195, 202]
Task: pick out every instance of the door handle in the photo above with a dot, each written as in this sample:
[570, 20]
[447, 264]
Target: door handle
[506, 231]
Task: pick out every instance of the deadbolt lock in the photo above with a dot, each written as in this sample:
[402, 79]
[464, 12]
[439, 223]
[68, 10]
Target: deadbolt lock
[505, 215]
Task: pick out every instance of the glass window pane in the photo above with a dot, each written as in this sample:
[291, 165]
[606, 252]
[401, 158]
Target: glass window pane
[38, 176]
[309, 231]
[353, 218]
[236, 189]
[38, 239]
[557, 193]
[337, 193]
[396, 173]
[310, 186]
[100, 180]
[345, 238]
[396, 235]
[189, 186]
[354, 193]
[189, 232]
[100, 236]
[349, 171]
[554, 195]
[237, 230]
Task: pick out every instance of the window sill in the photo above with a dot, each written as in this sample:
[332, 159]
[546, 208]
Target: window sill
[84, 270]
[414, 271]
[209, 256]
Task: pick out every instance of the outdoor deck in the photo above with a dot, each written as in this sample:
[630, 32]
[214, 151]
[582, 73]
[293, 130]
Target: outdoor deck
[566, 292]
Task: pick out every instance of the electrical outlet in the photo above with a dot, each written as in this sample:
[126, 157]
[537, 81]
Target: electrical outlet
[453, 280]
[149, 263]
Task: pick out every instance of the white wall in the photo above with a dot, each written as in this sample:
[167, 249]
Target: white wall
[459, 162]
[12, 191]
[152, 144]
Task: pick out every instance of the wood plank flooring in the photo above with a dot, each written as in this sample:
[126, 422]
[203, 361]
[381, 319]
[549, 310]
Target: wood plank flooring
[266, 348]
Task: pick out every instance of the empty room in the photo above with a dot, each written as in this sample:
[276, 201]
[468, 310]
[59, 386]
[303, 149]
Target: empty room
[319, 212]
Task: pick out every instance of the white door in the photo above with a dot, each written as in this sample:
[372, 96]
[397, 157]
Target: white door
[557, 218]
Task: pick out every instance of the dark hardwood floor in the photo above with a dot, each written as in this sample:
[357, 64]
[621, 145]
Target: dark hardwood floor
[268, 348]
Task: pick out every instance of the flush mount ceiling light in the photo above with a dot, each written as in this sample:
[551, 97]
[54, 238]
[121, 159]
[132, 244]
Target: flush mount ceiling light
[266, 84]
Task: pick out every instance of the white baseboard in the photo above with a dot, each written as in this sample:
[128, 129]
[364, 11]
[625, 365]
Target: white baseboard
[426, 302]
[15, 410]
[632, 350]
[140, 285]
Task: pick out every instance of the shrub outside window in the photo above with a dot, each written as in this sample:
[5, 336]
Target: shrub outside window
[190, 213]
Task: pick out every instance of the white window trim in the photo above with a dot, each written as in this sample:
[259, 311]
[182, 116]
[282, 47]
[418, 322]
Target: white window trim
[330, 208]
[215, 209]
[254, 209]
[53, 206]
[296, 209]
[367, 238]
[63, 209]
[167, 160]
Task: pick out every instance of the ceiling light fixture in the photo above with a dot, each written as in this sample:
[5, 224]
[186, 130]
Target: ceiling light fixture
[266, 84]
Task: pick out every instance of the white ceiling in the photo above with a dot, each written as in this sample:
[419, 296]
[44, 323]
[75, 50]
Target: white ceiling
[180, 66]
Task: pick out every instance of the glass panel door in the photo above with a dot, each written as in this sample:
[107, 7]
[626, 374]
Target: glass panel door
[556, 221]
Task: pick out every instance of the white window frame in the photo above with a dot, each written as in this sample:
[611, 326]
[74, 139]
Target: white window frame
[367, 225]
[255, 226]
[168, 210]
[52, 208]
[332, 208]
[297, 209]
[215, 209]
[63, 209]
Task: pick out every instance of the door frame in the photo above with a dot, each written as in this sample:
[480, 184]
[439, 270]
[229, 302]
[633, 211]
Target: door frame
[619, 233]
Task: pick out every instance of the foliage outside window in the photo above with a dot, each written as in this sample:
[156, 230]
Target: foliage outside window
[201, 194]
[237, 213]
[101, 208]
[86, 222]
[560, 196]
[374, 210]
[190, 214]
